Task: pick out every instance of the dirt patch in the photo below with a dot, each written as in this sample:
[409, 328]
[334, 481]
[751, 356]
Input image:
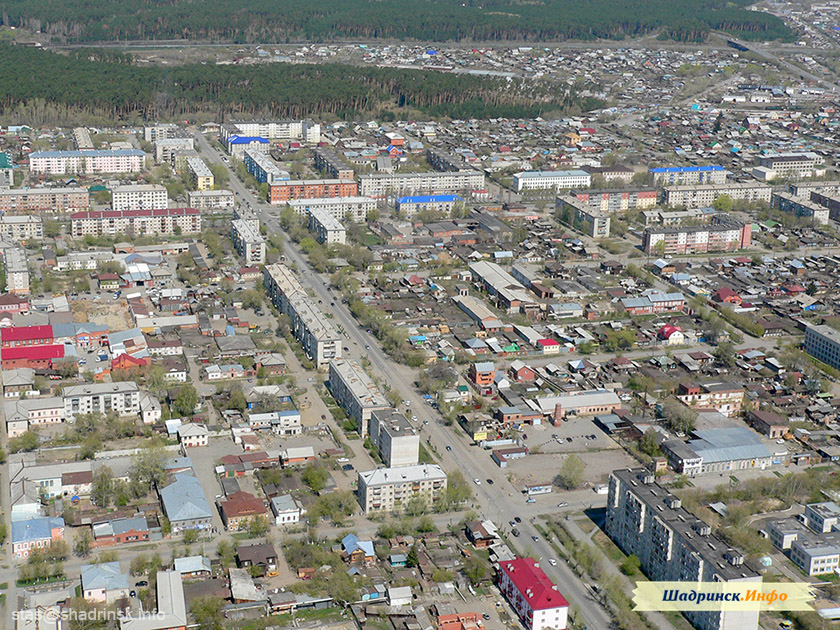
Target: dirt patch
[115, 316]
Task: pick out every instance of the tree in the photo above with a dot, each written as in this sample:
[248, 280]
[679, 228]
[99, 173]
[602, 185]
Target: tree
[678, 417]
[315, 477]
[659, 249]
[207, 612]
[257, 527]
[457, 491]
[83, 543]
[190, 536]
[474, 569]
[570, 475]
[186, 400]
[25, 442]
[631, 565]
[226, 553]
[156, 379]
[649, 443]
[148, 470]
[411, 559]
[725, 354]
[102, 487]
[139, 564]
[723, 203]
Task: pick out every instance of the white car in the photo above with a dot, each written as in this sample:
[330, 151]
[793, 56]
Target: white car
[477, 481]
[552, 562]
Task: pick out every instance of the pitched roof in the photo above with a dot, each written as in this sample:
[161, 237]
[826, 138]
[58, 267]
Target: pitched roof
[34, 353]
[242, 504]
[184, 499]
[534, 585]
[105, 575]
[25, 333]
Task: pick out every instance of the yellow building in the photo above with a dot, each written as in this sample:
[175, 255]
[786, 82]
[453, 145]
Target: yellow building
[200, 173]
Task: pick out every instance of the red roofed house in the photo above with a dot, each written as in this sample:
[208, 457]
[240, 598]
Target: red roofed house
[459, 621]
[672, 334]
[793, 289]
[549, 346]
[21, 336]
[725, 295]
[128, 362]
[13, 304]
[36, 357]
[533, 596]
[240, 508]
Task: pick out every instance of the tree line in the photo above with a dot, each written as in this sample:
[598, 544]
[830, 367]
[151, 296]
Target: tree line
[243, 21]
[52, 88]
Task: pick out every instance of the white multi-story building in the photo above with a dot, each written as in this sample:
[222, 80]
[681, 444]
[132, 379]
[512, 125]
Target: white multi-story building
[51, 199]
[82, 139]
[327, 228]
[812, 539]
[123, 398]
[23, 227]
[673, 545]
[380, 184]
[805, 208]
[356, 393]
[533, 596]
[17, 270]
[685, 175]
[248, 242]
[341, 208]
[395, 438]
[155, 133]
[391, 489]
[86, 162]
[792, 164]
[557, 180]
[139, 197]
[823, 343]
[136, 222]
[307, 131]
[704, 195]
[210, 199]
[166, 148]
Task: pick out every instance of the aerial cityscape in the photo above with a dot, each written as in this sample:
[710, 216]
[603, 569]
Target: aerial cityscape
[425, 316]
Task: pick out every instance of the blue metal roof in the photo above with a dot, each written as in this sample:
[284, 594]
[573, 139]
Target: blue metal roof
[428, 198]
[686, 169]
[246, 139]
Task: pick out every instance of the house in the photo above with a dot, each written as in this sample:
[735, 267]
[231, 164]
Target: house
[76, 483]
[104, 583]
[286, 510]
[481, 534]
[108, 281]
[193, 435]
[17, 382]
[193, 566]
[353, 550]
[725, 295]
[725, 398]
[767, 423]
[482, 373]
[262, 556]
[273, 363]
[184, 504]
[672, 335]
[239, 509]
[121, 530]
[532, 595]
[35, 533]
[521, 373]
[400, 596]
[297, 456]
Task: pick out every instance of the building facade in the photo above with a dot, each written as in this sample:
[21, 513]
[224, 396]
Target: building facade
[139, 197]
[823, 343]
[382, 184]
[200, 174]
[723, 236]
[686, 175]
[391, 489]
[44, 199]
[262, 167]
[86, 162]
[136, 222]
[341, 208]
[356, 393]
[396, 440]
[327, 229]
[210, 199]
[284, 191]
[24, 227]
[123, 398]
[551, 180]
[532, 595]
[704, 195]
[249, 243]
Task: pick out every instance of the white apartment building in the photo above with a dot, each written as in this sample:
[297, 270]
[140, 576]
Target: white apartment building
[86, 162]
[200, 173]
[704, 195]
[210, 199]
[341, 208]
[380, 184]
[52, 199]
[356, 393]
[82, 139]
[396, 440]
[136, 222]
[166, 148]
[823, 343]
[532, 595]
[123, 398]
[248, 242]
[672, 544]
[805, 208]
[327, 228]
[792, 164]
[155, 133]
[307, 131]
[544, 180]
[139, 197]
[390, 489]
[23, 227]
[17, 270]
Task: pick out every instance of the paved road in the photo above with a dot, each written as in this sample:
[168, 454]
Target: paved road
[500, 502]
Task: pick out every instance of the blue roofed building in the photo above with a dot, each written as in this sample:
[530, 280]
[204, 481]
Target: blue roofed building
[185, 505]
[104, 583]
[408, 206]
[682, 175]
[35, 533]
[353, 549]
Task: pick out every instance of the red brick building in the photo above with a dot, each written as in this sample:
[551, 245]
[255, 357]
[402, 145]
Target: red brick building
[25, 336]
[34, 357]
[284, 191]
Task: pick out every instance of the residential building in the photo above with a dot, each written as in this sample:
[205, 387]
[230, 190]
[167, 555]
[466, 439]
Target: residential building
[161, 131]
[341, 208]
[410, 205]
[768, 423]
[653, 301]
[104, 583]
[617, 199]
[284, 191]
[193, 566]
[508, 292]
[286, 510]
[646, 520]
[804, 208]
[166, 222]
[812, 539]
[193, 435]
[327, 229]
[171, 606]
[263, 168]
[725, 398]
[16, 267]
[18, 382]
[21, 228]
[184, 504]
[23, 414]
[792, 164]
[396, 440]
[593, 223]
[26, 336]
[44, 199]
[239, 509]
[236, 145]
[704, 195]
[210, 199]
[320, 340]
[823, 343]
[555, 180]
[718, 451]
[200, 173]
[356, 550]
[335, 166]
[382, 184]
[689, 175]
[260, 558]
[532, 595]
[120, 531]
[123, 398]
[355, 392]
[390, 489]
[139, 197]
[86, 162]
[166, 148]
[249, 243]
[35, 533]
[307, 131]
[724, 235]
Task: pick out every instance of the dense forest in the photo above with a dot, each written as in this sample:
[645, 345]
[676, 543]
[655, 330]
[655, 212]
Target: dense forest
[282, 21]
[43, 87]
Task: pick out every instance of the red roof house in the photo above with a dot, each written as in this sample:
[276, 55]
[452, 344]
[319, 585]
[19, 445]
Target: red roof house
[32, 357]
[19, 336]
[530, 592]
[725, 295]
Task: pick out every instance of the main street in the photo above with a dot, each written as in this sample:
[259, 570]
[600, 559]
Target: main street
[500, 502]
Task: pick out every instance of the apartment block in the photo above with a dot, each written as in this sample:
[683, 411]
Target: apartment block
[44, 199]
[685, 175]
[356, 393]
[342, 208]
[704, 195]
[320, 340]
[136, 222]
[17, 270]
[200, 173]
[139, 197]
[327, 228]
[442, 161]
[86, 162]
[381, 184]
[336, 167]
[396, 440]
[548, 180]
[618, 199]
[823, 343]
[307, 131]
[262, 167]
[807, 189]
[210, 199]
[792, 164]
[532, 595]
[25, 227]
[724, 235]
[282, 192]
[165, 149]
[391, 489]
[805, 208]
[410, 205]
[155, 133]
[812, 540]
[646, 520]
[122, 398]
[82, 139]
[249, 243]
